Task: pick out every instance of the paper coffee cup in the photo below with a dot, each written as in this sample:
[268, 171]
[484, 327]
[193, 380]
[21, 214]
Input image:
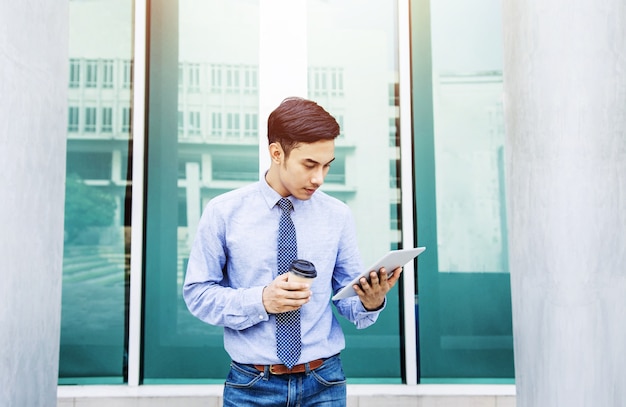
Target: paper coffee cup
[302, 271]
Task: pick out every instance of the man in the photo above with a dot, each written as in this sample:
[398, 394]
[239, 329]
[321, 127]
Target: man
[235, 274]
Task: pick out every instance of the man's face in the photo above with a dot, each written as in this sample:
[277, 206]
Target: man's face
[306, 167]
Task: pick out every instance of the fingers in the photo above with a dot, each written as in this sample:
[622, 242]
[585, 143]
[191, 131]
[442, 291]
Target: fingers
[393, 278]
[282, 296]
[289, 304]
[374, 281]
[378, 282]
[372, 293]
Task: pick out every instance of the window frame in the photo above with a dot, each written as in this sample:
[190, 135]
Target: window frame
[217, 127]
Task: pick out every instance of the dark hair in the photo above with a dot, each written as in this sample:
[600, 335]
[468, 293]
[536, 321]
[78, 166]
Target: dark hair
[297, 120]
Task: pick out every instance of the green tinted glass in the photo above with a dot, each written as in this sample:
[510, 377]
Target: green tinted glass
[203, 140]
[352, 71]
[97, 202]
[464, 291]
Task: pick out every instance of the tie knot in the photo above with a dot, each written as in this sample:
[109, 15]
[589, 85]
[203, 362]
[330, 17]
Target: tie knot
[285, 204]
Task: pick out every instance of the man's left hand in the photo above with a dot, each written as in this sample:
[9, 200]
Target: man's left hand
[372, 293]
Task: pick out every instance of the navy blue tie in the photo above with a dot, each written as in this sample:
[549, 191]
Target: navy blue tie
[288, 340]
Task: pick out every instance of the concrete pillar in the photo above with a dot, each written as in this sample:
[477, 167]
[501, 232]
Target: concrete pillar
[565, 107]
[33, 123]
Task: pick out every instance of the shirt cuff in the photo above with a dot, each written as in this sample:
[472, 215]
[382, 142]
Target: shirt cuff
[361, 311]
[365, 318]
[253, 305]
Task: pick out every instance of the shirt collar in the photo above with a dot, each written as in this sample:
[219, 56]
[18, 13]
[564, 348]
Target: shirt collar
[269, 194]
[271, 197]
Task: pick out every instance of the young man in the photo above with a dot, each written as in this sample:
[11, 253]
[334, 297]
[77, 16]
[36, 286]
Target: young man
[235, 274]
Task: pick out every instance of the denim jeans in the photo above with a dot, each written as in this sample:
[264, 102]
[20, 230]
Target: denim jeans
[323, 387]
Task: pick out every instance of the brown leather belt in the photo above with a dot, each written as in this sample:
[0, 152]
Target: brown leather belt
[282, 369]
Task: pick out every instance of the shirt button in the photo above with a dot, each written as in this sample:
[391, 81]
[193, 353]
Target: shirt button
[260, 316]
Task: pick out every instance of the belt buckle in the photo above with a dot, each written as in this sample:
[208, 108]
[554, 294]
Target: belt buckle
[276, 372]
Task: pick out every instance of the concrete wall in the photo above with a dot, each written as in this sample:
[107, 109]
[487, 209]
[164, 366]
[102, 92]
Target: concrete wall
[33, 120]
[565, 107]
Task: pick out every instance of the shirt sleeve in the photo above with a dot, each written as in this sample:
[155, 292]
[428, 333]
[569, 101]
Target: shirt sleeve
[352, 308]
[206, 290]
[347, 267]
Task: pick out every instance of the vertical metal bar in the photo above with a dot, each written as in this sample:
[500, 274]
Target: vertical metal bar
[137, 203]
[406, 165]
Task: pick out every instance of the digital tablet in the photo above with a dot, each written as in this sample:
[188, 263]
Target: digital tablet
[390, 261]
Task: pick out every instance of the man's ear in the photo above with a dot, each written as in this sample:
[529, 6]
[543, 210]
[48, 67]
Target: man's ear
[276, 153]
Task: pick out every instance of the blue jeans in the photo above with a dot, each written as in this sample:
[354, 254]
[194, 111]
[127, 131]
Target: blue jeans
[323, 387]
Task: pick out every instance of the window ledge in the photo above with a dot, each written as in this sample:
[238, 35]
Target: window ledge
[97, 391]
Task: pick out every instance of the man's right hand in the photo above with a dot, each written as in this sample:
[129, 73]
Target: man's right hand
[282, 296]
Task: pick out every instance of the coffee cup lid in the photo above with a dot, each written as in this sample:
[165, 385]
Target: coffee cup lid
[304, 268]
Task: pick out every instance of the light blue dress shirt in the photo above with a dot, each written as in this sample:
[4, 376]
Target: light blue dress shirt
[234, 257]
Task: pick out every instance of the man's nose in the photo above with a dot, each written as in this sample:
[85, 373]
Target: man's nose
[318, 177]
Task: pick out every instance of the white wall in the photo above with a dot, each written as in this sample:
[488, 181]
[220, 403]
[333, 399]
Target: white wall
[33, 120]
[565, 100]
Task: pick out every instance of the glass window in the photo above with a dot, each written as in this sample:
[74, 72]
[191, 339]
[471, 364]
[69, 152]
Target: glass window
[72, 119]
[91, 77]
[220, 38]
[193, 78]
[126, 119]
[464, 285]
[90, 120]
[74, 73]
[194, 123]
[352, 62]
[186, 173]
[251, 125]
[128, 73]
[326, 81]
[107, 120]
[96, 248]
[232, 79]
[216, 124]
[107, 73]
[90, 166]
[208, 86]
[232, 124]
[250, 79]
[235, 168]
[216, 78]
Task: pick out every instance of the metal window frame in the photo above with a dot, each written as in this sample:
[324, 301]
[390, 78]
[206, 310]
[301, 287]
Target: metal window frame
[139, 102]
